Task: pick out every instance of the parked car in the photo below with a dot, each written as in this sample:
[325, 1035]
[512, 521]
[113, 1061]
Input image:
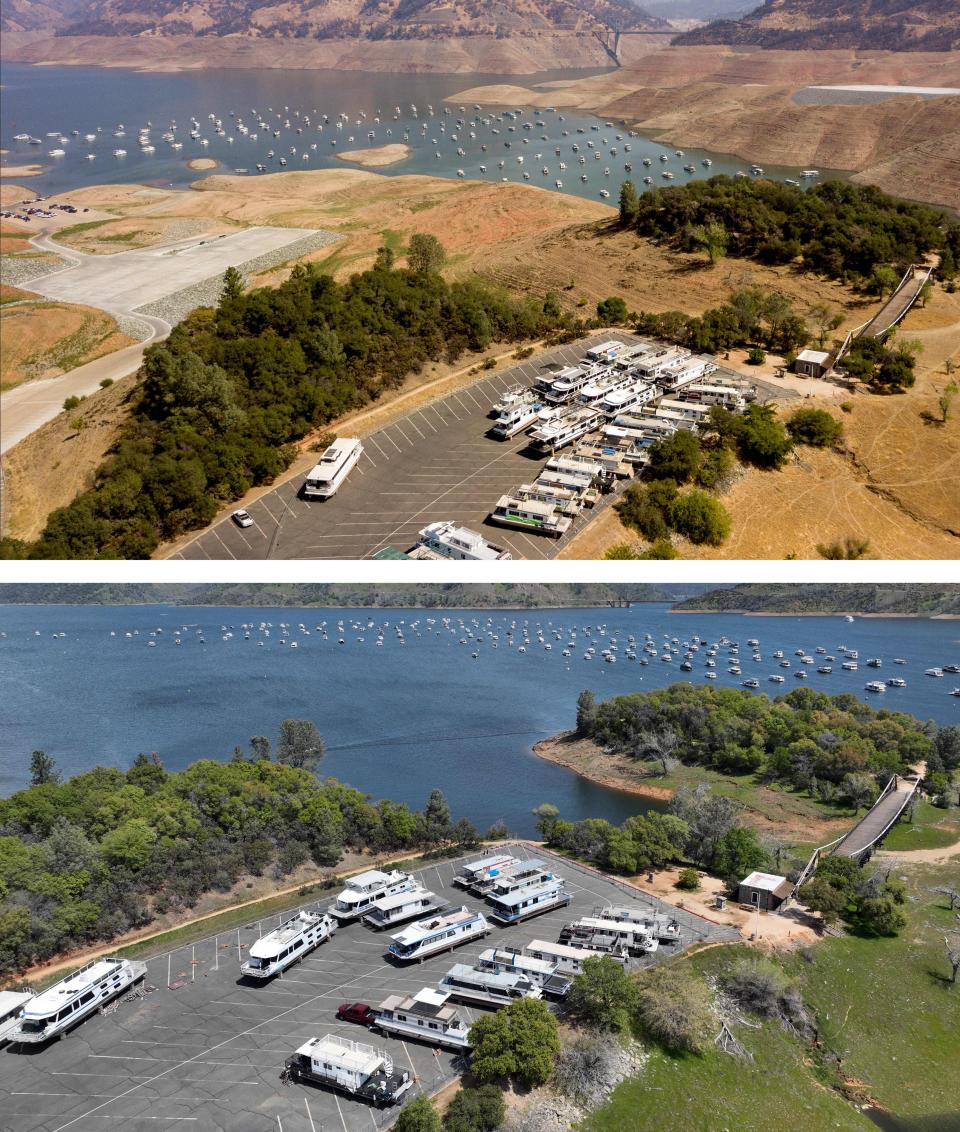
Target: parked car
[242, 518]
[356, 1012]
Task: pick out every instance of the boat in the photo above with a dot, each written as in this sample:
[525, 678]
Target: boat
[277, 950]
[566, 959]
[875, 686]
[937, 672]
[448, 540]
[528, 901]
[119, 153]
[659, 924]
[399, 907]
[60, 1007]
[486, 987]
[955, 692]
[438, 933]
[849, 665]
[474, 871]
[775, 679]
[874, 662]
[425, 1017]
[354, 1068]
[896, 682]
[516, 419]
[11, 1007]
[56, 152]
[530, 515]
[611, 937]
[511, 398]
[332, 468]
[577, 422]
[539, 971]
[365, 888]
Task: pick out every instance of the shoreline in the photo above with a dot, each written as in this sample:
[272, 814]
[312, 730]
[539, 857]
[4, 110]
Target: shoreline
[824, 613]
[550, 751]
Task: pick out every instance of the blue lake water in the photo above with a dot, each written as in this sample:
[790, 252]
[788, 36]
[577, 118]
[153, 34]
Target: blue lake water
[398, 719]
[71, 102]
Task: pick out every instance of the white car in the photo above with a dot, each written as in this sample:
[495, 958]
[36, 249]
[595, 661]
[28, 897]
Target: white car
[242, 518]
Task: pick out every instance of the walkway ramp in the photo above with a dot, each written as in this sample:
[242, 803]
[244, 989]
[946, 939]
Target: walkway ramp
[902, 299]
[876, 821]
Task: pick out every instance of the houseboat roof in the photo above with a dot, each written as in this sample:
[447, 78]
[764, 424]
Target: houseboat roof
[54, 997]
[399, 899]
[502, 979]
[505, 958]
[370, 878]
[10, 1000]
[427, 1003]
[485, 864]
[423, 929]
[286, 933]
[354, 1056]
[511, 899]
[563, 949]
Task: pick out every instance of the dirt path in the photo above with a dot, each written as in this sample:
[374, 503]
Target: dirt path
[921, 856]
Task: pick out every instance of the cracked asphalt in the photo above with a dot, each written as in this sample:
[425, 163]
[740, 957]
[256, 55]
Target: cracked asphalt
[209, 1053]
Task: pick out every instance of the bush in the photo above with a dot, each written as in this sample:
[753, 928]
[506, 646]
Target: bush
[71, 403]
[661, 549]
[612, 311]
[715, 471]
[603, 993]
[674, 1009]
[419, 1115]
[106, 383]
[636, 510]
[674, 457]
[475, 1110]
[590, 1069]
[756, 356]
[815, 427]
[761, 439]
[688, 880]
[700, 517]
[621, 552]
[757, 985]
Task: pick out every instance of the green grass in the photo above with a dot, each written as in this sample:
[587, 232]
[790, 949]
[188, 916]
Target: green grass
[884, 1006]
[121, 237]
[931, 828]
[76, 229]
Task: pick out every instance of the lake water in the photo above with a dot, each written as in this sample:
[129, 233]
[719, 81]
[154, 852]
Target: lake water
[71, 102]
[398, 719]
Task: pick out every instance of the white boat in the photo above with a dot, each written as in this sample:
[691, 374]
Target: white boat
[566, 959]
[486, 987]
[11, 1007]
[399, 907]
[528, 901]
[934, 672]
[549, 436]
[624, 397]
[896, 682]
[664, 927]
[539, 971]
[56, 152]
[562, 386]
[354, 1068]
[474, 871]
[438, 933]
[425, 1017]
[850, 665]
[277, 950]
[364, 889]
[538, 518]
[612, 937]
[521, 874]
[512, 397]
[448, 540]
[56, 1010]
[332, 468]
[119, 153]
[516, 419]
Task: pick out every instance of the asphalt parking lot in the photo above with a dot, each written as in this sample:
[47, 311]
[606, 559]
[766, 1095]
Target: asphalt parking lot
[204, 1048]
[434, 463]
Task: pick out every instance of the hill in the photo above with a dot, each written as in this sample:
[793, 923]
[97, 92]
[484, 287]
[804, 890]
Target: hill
[890, 600]
[889, 25]
[343, 596]
[333, 19]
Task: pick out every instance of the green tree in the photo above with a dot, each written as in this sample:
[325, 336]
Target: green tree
[586, 712]
[815, 427]
[603, 994]
[612, 311]
[761, 438]
[233, 285]
[629, 204]
[436, 818]
[711, 238]
[883, 279]
[620, 552]
[520, 1041]
[675, 457]
[43, 769]
[426, 255]
[825, 319]
[700, 517]
[418, 1115]
[300, 744]
[739, 853]
[547, 816]
[260, 750]
[475, 1110]
[661, 549]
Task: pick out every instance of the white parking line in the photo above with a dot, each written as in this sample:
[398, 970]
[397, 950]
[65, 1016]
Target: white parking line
[340, 1111]
[378, 448]
[425, 421]
[386, 436]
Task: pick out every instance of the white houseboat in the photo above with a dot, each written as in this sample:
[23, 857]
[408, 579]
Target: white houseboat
[426, 1017]
[56, 1010]
[486, 987]
[536, 518]
[530, 872]
[611, 936]
[606, 351]
[474, 871]
[362, 890]
[438, 933]
[332, 468]
[549, 436]
[566, 385]
[625, 397]
[286, 944]
[11, 1006]
[543, 972]
[516, 419]
[567, 960]
[350, 1067]
[448, 540]
[389, 911]
[529, 901]
[665, 927]
[512, 397]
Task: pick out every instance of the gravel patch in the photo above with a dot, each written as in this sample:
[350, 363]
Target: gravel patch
[133, 327]
[175, 307]
[18, 270]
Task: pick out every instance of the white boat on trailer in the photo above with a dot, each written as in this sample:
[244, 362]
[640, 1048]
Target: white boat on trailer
[568, 960]
[527, 902]
[543, 972]
[516, 419]
[354, 1068]
[474, 871]
[425, 1017]
[577, 422]
[11, 1007]
[366, 888]
[483, 986]
[389, 911]
[277, 950]
[54, 1011]
[531, 872]
[609, 936]
[332, 468]
[437, 934]
[664, 927]
[531, 516]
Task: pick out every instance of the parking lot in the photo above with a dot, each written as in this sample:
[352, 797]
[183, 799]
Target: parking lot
[206, 1048]
[433, 463]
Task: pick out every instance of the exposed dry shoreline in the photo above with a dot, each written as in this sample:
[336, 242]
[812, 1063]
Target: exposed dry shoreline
[612, 771]
[378, 157]
[826, 613]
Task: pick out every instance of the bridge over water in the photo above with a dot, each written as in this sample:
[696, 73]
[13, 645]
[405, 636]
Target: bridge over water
[869, 831]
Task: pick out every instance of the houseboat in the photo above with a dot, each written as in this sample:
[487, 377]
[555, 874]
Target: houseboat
[626, 397]
[535, 518]
[349, 1067]
[425, 1017]
[567, 960]
[11, 1006]
[362, 890]
[530, 901]
[606, 351]
[543, 972]
[438, 933]
[608, 936]
[389, 911]
[473, 871]
[549, 436]
[566, 385]
[523, 875]
[664, 927]
[54, 1011]
[516, 419]
[512, 397]
[283, 946]
[448, 540]
[485, 987]
[332, 468]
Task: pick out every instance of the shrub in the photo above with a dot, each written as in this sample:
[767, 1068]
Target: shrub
[756, 356]
[475, 1110]
[688, 880]
[106, 383]
[612, 311]
[674, 457]
[590, 1069]
[71, 403]
[661, 549]
[815, 427]
[419, 1115]
[700, 517]
[761, 439]
[674, 1009]
[715, 471]
[620, 551]
[757, 985]
[520, 1041]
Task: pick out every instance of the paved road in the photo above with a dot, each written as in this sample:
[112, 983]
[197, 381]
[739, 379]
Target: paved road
[431, 464]
[209, 1053]
[119, 284]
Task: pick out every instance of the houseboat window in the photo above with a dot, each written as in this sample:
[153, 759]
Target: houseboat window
[88, 997]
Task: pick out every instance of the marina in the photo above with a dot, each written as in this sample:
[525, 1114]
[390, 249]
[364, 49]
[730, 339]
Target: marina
[282, 947]
[255, 122]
